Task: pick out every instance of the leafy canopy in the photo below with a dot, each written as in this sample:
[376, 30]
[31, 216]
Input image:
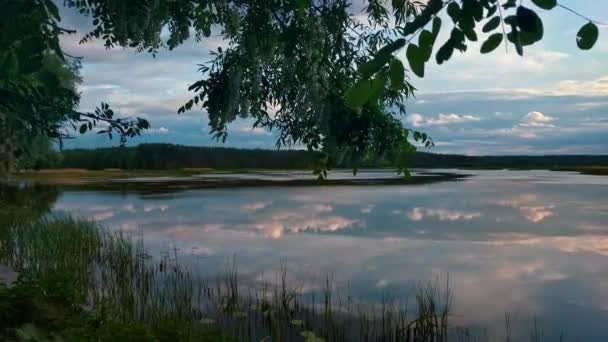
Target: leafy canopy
[38, 82]
[312, 70]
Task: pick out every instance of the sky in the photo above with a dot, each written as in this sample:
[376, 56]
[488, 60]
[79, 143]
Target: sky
[554, 100]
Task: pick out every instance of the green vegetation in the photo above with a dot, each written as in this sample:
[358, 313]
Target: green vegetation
[187, 160]
[38, 85]
[78, 281]
[168, 157]
[67, 289]
[345, 103]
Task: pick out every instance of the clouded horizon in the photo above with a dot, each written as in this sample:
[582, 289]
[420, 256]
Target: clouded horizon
[552, 101]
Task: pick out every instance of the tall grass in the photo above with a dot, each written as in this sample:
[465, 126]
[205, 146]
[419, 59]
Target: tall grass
[111, 272]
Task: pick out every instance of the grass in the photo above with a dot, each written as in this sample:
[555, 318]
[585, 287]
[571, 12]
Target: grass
[82, 274]
[80, 176]
[80, 282]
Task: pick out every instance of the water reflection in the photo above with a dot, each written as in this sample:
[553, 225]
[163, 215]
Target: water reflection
[25, 202]
[527, 243]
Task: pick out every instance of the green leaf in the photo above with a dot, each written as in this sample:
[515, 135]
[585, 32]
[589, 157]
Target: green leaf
[381, 58]
[445, 52]
[358, 94]
[83, 128]
[491, 43]
[454, 11]
[392, 46]
[587, 36]
[491, 25]
[471, 35]
[545, 4]
[53, 11]
[425, 44]
[509, 4]
[302, 4]
[492, 10]
[9, 65]
[396, 74]
[416, 59]
[436, 27]
[377, 87]
[530, 24]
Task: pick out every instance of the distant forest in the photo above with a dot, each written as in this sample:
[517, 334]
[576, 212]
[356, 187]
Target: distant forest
[169, 156]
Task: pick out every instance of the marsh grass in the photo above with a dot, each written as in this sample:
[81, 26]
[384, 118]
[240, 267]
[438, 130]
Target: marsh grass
[112, 273]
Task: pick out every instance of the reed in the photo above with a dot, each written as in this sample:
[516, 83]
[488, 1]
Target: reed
[112, 273]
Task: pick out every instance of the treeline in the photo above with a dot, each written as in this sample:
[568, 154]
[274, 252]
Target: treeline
[168, 156]
[432, 160]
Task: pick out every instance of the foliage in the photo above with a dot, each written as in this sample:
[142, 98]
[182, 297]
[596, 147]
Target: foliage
[34, 310]
[172, 157]
[347, 100]
[24, 203]
[77, 281]
[38, 81]
[36, 153]
[309, 69]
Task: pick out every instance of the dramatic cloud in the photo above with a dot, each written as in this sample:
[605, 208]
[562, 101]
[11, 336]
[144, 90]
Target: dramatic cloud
[553, 100]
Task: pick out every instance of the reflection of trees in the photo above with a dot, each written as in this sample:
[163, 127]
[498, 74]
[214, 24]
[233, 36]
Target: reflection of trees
[26, 202]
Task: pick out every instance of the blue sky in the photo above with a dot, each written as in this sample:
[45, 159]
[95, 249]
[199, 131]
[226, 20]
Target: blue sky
[552, 101]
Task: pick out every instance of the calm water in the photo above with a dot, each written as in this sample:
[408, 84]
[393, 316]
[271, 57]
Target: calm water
[527, 243]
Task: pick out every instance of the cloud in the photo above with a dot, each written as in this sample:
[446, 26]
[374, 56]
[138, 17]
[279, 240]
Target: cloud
[537, 213]
[595, 87]
[103, 216]
[367, 209]
[551, 78]
[417, 120]
[160, 130]
[151, 208]
[320, 208]
[537, 119]
[531, 207]
[297, 222]
[418, 214]
[255, 206]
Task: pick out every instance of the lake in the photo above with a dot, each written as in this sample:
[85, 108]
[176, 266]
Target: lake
[530, 244]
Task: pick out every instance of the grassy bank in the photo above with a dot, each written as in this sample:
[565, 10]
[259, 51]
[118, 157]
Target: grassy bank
[77, 281]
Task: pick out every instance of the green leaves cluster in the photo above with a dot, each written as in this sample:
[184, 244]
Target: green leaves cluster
[307, 70]
[38, 83]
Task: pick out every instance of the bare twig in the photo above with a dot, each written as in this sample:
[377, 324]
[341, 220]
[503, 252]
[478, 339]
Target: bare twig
[581, 15]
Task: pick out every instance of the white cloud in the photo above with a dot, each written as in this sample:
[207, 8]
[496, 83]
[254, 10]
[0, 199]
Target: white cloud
[321, 208]
[255, 206]
[537, 119]
[596, 87]
[367, 209]
[530, 206]
[537, 213]
[418, 120]
[417, 214]
[160, 130]
[514, 131]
